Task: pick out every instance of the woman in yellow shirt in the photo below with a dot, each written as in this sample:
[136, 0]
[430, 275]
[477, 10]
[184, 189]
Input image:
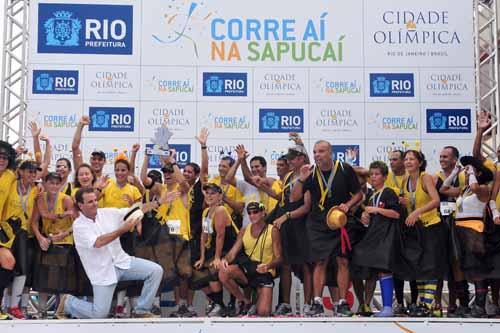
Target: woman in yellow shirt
[63, 169]
[7, 177]
[17, 213]
[423, 221]
[54, 270]
[257, 267]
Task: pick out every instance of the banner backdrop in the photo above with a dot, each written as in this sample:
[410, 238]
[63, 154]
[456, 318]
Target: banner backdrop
[369, 76]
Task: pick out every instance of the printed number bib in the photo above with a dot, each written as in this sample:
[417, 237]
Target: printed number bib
[447, 208]
[207, 226]
[174, 227]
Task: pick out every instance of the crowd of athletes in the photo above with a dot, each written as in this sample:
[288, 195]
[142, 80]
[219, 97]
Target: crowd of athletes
[72, 233]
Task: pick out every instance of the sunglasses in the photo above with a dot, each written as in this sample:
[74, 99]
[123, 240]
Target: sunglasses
[4, 158]
[253, 212]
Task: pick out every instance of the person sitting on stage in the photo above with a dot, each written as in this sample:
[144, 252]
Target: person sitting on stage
[379, 249]
[96, 233]
[218, 237]
[256, 265]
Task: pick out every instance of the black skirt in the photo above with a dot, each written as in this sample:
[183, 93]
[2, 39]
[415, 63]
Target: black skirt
[83, 285]
[492, 257]
[294, 236]
[325, 242]
[55, 270]
[24, 250]
[471, 253]
[380, 249]
[425, 252]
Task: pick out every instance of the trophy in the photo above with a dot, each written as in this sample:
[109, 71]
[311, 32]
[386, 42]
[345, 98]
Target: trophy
[160, 142]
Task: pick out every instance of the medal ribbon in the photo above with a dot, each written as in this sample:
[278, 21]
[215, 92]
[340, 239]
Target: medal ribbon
[324, 186]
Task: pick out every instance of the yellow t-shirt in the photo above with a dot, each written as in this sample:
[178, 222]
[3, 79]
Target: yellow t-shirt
[396, 182]
[6, 180]
[421, 198]
[262, 251]
[175, 215]
[230, 191]
[21, 207]
[112, 195]
[50, 226]
[271, 203]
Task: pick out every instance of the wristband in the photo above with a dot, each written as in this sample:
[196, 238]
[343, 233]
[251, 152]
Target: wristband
[203, 147]
[288, 215]
[494, 210]
[173, 164]
[472, 179]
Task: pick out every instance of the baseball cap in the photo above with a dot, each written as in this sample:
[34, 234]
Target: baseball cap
[212, 186]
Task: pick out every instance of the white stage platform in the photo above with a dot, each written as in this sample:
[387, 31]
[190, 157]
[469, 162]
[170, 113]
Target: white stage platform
[255, 325]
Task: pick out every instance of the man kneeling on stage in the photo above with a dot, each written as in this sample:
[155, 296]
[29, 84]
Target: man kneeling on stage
[97, 238]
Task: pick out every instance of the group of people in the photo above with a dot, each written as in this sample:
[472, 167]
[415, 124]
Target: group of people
[92, 240]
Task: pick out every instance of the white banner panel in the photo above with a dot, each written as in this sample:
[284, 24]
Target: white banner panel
[364, 75]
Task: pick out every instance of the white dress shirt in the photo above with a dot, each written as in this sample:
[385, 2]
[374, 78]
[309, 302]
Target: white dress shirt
[100, 263]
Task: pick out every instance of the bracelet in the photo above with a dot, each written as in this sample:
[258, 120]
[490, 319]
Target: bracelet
[172, 164]
[288, 215]
[203, 147]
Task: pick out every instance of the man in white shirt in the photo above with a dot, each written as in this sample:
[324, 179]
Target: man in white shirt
[97, 239]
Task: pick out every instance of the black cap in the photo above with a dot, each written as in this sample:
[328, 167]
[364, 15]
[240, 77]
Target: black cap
[484, 175]
[156, 176]
[295, 151]
[29, 165]
[53, 176]
[213, 187]
[98, 153]
[254, 205]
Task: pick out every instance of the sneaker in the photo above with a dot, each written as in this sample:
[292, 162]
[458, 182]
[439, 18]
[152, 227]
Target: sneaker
[217, 311]
[143, 314]
[243, 308]
[209, 307]
[385, 312]
[437, 313]
[180, 312]
[283, 309]
[156, 310]
[421, 311]
[16, 313]
[412, 310]
[60, 313]
[120, 312]
[191, 312]
[343, 309]
[477, 312]
[4, 316]
[305, 309]
[230, 310]
[400, 311]
[252, 311]
[460, 312]
[316, 310]
[364, 310]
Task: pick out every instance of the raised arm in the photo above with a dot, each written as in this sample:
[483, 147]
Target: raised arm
[202, 139]
[483, 123]
[35, 133]
[77, 139]
[133, 157]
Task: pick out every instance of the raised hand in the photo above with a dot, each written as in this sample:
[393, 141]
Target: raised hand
[84, 121]
[203, 136]
[241, 152]
[136, 147]
[305, 171]
[35, 130]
